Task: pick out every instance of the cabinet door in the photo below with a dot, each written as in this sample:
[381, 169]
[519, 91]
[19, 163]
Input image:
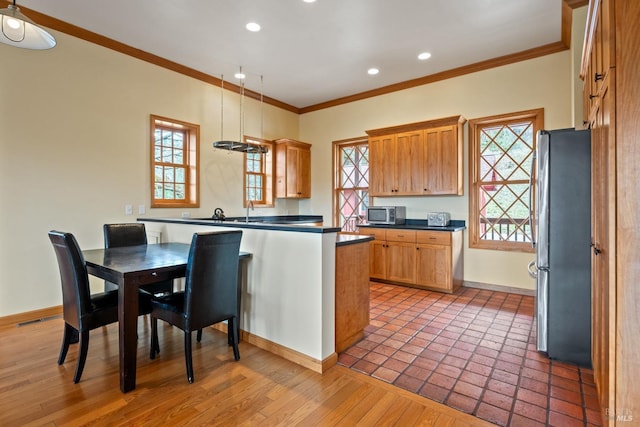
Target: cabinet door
[433, 267]
[441, 166]
[293, 169]
[304, 173]
[401, 262]
[603, 300]
[377, 259]
[382, 168]
[408, 155]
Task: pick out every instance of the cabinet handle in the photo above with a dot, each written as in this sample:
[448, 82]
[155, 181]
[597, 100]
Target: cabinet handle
[593, 96]
[598, 77]
[596, 250]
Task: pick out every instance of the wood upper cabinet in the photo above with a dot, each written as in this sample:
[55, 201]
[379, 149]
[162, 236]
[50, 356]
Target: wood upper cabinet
[442, 161]
[424, 259]
[382, 159]
[422, 158]
[293, 169]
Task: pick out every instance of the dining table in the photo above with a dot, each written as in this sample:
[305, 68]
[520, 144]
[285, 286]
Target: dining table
[131, 267]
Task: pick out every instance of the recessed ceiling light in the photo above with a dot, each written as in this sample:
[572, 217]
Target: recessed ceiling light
[309, 1]
[373, 71]
[240, 75]
[253, 27]
[424, 55]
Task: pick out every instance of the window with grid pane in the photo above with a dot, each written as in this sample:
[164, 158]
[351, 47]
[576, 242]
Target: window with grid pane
[351, 183]
[174, 161]
[501, 152]
[258, 174]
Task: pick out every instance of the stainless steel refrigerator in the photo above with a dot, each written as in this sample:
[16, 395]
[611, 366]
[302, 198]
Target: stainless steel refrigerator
[562, 238]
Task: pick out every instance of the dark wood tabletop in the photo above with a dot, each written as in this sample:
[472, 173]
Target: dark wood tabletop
[130, 267]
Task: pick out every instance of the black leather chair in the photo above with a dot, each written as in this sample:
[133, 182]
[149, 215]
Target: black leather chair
[131, 234]
[210, 294]
[82, 311]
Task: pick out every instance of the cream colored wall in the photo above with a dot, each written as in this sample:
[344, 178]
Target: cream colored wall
[74, 126]
[544, 82]
[74, 150]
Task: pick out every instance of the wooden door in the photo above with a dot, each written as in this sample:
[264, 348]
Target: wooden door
[433, 266]
[401, 262]
[304, 173]
[378, 259]
[382, 169]
[440, 161]
[292, 171]
[408, 155]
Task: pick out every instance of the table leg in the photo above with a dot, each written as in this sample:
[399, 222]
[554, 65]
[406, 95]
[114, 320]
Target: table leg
[128, 328]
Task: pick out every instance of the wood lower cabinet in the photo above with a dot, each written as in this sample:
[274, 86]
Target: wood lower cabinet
[293, 169]
[425, 259]
[612, 106]
[352, 293]
[422, 158]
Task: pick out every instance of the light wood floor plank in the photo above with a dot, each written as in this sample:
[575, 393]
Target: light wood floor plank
[259, 390]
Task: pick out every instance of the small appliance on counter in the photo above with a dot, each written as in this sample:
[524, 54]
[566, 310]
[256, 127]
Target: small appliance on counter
[386, 215]
[438, 219]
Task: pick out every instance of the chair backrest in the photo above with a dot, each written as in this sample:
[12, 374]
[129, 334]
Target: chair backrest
[127, 234]
[76, 295]
[211, 286]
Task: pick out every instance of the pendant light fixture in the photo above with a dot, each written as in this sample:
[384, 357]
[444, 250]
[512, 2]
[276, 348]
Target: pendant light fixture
[240, 145]
[20, 31]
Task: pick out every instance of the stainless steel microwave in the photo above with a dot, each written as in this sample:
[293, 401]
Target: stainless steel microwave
[386, 214]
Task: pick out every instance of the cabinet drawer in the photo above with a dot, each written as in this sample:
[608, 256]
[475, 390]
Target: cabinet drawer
[401, 236]
[377, 233]
[436, 237]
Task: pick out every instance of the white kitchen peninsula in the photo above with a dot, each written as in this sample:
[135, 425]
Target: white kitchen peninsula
[288, 304]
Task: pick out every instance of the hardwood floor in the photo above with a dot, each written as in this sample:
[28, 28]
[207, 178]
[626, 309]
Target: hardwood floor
[260, 389]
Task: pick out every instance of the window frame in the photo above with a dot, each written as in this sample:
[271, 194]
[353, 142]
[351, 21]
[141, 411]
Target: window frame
[268, 173]
[337, 169]
[536, 116]
[191, 161]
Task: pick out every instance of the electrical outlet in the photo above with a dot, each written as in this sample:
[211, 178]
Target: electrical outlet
[141, 210]
[128, 209]
[186, 214]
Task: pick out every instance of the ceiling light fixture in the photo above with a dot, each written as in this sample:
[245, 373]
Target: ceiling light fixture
[240, 145]
[253, 27]
[20, 31]
[240, 75]
[373, 71]
[309, 1]
[424, 55]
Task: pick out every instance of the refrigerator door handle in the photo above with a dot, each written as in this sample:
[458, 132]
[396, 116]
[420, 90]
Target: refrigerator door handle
[533, 271]
[531, 207]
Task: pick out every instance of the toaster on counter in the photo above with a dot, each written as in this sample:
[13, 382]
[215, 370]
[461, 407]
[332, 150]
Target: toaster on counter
[438, 219]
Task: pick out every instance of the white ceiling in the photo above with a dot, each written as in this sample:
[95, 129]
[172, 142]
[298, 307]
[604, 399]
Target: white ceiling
[310, 53]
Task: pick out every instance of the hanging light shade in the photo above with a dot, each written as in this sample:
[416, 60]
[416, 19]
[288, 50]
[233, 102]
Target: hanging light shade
[238, 146]
[20, 31]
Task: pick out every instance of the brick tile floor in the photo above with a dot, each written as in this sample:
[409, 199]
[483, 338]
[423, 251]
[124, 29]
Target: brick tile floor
[474, 351]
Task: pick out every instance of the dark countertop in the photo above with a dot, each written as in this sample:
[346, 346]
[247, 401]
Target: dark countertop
[295, 223]
[419, 224]
[350, 239]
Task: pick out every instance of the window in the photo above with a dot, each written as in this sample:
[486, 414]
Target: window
[174, 163]
[351, 183]
[501, 152]
[258, 174]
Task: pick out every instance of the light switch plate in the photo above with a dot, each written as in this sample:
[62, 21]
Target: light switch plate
[128, 209]
[141, 210]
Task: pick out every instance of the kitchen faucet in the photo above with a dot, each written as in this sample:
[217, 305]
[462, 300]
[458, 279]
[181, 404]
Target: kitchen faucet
[249, 205]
